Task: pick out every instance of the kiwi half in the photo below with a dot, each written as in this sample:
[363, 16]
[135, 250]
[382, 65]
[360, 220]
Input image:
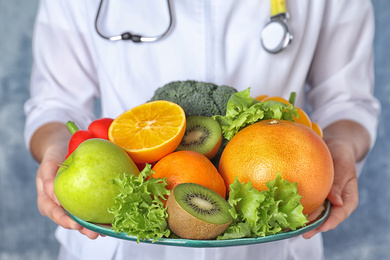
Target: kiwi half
[203, 135]
[196, 212]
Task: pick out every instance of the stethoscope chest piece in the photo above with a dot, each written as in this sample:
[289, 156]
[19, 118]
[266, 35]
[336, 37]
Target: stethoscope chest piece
[276, 35]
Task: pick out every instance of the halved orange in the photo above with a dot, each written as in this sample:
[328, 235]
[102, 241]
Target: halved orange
[149, 131]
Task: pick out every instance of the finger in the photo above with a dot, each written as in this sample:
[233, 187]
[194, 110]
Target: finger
[336, 216]
[48, 203]
[89, 233]
[46, 176]
[60, 217]
[344, 172]
[339, 213]
[48, 190]
[56, 213]
[311, 233]
[337, 192]
[334, 197]
[51, 208]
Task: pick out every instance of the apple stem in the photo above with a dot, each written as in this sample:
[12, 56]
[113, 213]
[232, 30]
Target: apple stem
[62, 165]
[72, 127]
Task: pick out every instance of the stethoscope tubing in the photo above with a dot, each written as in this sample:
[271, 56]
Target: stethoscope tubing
[134, 37]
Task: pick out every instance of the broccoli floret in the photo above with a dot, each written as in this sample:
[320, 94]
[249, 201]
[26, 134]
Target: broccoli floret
[196, 98]
[221, 97]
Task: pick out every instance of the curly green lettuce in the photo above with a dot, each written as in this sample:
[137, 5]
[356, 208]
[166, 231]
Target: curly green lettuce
[138, 209]
[243, 110]
[259, 214]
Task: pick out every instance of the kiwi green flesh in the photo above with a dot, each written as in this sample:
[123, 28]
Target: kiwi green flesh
[201, 135]
[203, 203]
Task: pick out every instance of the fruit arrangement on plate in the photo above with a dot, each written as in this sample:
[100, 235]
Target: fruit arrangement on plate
[199, 162]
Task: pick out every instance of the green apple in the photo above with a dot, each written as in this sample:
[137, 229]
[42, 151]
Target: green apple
[82, 184]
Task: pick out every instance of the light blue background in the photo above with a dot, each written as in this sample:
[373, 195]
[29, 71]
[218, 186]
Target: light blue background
[25, 234]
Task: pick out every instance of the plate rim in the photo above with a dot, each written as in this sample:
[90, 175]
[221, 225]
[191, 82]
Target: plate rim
[101, 229]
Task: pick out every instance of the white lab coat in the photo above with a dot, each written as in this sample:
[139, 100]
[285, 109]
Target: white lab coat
[329, 65]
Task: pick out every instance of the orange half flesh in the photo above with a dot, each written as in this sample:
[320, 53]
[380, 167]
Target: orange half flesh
[150, 131]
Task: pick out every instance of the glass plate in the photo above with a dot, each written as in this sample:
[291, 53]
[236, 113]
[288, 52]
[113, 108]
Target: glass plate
[106, 230]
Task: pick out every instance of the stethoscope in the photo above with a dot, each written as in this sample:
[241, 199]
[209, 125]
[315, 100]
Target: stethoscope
[134, 37]
[275, 36]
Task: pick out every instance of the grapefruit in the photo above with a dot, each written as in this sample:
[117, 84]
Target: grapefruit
[260, 151]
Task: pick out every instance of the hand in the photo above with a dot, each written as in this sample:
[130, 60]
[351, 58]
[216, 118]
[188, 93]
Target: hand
[48, 204]
[344, 192]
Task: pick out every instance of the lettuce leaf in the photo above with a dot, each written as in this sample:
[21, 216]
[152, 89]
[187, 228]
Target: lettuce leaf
[243, 110]
[264, 213]
[138, 209]
[286, 194]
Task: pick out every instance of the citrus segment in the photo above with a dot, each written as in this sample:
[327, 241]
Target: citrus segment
[149, 131]
[259, 152]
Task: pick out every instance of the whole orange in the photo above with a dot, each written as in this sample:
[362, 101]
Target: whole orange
[260, 151]
[189, 167]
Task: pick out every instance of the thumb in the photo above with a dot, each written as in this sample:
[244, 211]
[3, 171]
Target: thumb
[344, 173]
[343, 189]
[334, 197]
